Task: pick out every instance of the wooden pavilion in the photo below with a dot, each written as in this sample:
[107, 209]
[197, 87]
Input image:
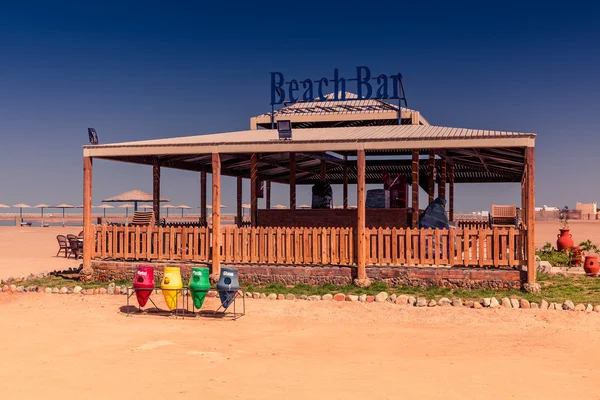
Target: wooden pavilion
[354, 144]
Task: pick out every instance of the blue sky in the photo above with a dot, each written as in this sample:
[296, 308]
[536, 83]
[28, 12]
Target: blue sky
[140, 70]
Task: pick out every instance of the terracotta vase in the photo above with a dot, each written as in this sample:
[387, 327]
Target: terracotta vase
[565, 240]
[591, 266]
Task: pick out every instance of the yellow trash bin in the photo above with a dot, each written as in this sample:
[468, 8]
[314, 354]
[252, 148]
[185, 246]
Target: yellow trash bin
[171, 286]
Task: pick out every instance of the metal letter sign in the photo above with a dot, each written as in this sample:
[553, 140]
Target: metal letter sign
[388, 87]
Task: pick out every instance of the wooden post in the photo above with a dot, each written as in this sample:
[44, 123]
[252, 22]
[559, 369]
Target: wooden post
[451, 194]
[239, 201]
[323, 171]
[361, 218]
[292, 181]
[530, 207]
[253, 180]
[442, 185]
[431, 186]
[216, 215]
[156, 191]
[89, 240]
[415, 188]
[523, 196]
[345, 196]
[203, 198]
[268, 203]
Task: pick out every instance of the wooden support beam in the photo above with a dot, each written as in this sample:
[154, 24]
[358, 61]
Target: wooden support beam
[216, 215]
[415, 188]
[345, 195]
[361, 218]
[292, 181]
[442, 184]
[323, 170]
[156, 191]
[253, 194]
[268, 205]
[431, 182]
[530, 207]
[451, 194]
[88, 239]
[239, 201]
[203, 218]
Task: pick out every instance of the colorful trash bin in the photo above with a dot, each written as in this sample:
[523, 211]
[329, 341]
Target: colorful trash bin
[143, 279]
[199, 285]
[228, 285]
[171, 286]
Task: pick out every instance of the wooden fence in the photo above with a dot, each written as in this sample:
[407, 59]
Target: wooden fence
[472, 224]
[305, 246]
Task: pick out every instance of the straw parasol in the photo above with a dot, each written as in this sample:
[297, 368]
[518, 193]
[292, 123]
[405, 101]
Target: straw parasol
[4, 206]
[104, 206]
[126, 206]
[246, 206]
[183, 207]
[304, 206]
[168, 206]
[146, 207]
[42, 206]
[279, 207]
[63, 206]
[21, 206]
[135, 196]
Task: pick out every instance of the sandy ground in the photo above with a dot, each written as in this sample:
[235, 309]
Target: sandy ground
[33, 249]
[72, 346]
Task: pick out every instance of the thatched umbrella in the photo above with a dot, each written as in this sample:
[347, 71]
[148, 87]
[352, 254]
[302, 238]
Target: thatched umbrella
[126, 206]
[21, 206]
[42, 206]
[104, 206]
[4, 206]
[135, 196]
[63, 206]
[167, 207]
[279, 207]
[304, 206]
[147, 207]
[183, 207]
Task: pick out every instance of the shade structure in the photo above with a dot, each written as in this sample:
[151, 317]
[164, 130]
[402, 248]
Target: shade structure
[126, 206]
[42, 206]
[63, 206]
[135, 196]
[4, 206]
[167, 207]
[21, 206]
[279, 207]
[304, 206]
[183, 207]
[146, 207]
[104, 206]
[246, 206]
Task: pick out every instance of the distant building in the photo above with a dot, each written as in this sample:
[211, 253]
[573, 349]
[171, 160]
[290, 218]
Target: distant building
[588, 210]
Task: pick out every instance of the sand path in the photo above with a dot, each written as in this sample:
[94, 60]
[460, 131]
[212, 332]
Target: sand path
[73, 346]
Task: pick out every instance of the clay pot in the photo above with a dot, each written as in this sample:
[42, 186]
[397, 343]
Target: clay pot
[591, 266]
[565, 240]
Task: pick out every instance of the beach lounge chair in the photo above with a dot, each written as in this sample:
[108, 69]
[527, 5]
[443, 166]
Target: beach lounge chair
[23, 223]
[64, 245]
[504, 216]
[142, 218]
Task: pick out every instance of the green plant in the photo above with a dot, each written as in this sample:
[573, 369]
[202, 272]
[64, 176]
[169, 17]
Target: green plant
[564, 218]
[557, 258]
[588, 247]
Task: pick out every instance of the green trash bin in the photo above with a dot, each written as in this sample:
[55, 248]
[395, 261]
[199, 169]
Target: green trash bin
[199, 285]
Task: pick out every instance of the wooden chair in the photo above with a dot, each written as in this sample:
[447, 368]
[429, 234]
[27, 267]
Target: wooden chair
[76, 248]
[64, 245]
[141, 218]
[504, 217]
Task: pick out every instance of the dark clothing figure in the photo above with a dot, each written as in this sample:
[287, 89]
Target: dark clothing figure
[434, 215]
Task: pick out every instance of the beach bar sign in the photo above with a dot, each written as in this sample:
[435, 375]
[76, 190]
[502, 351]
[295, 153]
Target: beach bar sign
[366, 86]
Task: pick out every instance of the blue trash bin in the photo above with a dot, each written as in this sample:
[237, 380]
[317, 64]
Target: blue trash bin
[228, 285]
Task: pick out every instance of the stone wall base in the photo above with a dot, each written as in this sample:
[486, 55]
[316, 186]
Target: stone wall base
[261, 274]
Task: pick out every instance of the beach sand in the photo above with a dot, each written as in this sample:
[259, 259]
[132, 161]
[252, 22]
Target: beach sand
[73, 346]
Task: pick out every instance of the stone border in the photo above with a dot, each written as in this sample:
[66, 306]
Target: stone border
[382, 297]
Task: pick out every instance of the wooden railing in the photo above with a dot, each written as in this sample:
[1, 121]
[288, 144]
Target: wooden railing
[472, 224]
[483, 247]
[305, 246]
